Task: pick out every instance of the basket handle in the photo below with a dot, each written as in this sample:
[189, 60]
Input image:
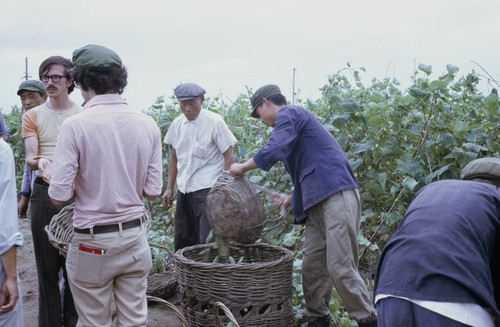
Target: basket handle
[218, 320]
[170, 256]
[171, 307]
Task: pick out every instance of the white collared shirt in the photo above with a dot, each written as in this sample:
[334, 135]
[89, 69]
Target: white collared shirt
[199, 145]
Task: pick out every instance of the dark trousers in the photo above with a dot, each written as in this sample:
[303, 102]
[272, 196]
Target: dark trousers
[191, 225]
[53, 311]
[394, 312]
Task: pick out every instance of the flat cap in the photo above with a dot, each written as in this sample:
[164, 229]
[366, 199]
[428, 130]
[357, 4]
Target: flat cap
[32, 85]
[261, 93]
[486, 168]
[188, 91]
[96, 56]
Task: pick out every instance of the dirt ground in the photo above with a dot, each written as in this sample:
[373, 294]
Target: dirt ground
[159, 315]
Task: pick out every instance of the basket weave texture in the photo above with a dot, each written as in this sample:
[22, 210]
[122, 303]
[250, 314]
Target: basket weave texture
[257, 291]
[234, 209]
[60, 232]
[60, 229]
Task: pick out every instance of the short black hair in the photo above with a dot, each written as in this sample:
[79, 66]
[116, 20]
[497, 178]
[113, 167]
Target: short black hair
[103, 81]
[277, 99]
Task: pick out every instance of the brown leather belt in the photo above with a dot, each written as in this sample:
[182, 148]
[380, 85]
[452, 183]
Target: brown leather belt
[100, 229]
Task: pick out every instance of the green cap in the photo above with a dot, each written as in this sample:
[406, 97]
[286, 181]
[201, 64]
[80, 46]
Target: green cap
[31, 85]
[485, 168]
[96, 56]
[261, 93]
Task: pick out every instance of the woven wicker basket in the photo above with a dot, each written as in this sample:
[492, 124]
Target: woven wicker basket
[60, 232]
[170, 307]
[163, 284]
[234, 210]
[60, 229]
[257, 291]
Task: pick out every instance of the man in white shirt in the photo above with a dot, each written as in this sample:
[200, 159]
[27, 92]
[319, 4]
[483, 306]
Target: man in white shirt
[201, 148]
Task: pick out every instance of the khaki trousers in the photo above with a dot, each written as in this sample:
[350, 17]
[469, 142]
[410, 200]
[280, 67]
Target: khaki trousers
[120, 272]
[331, 257]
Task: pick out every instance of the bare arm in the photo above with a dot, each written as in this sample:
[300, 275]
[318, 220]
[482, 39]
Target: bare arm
[167, 197]
[238, 169]
[10, 293]
[228, 158]
[57, 203]
[150, 197]
[34, 161]
[31, 146]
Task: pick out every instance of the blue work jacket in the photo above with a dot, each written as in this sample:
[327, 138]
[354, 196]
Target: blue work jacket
[315, 161]
[447, 247]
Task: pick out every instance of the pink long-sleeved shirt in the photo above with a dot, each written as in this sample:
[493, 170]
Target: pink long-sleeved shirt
[108, 157]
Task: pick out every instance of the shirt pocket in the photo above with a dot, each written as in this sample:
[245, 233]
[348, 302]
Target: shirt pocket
[202, 149]
[85, 267]
[306, 171]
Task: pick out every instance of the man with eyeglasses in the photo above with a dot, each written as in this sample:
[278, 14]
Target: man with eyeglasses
[40, 129]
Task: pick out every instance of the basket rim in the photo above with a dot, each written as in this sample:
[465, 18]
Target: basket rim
[286, 256]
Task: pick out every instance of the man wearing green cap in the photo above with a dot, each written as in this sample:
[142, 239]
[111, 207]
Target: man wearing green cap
[442, 265]
[325, 199]
[108, 158]
[40, 129]
[32, 94]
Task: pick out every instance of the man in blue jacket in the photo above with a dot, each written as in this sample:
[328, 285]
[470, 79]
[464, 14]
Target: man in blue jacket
[442, 265]
[325, 199]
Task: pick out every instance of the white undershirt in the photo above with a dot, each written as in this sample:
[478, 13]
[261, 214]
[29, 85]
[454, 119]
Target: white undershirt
[467, 313]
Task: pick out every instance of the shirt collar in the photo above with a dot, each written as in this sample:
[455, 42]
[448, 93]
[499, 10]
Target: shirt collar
[104, 99]
[196, 121]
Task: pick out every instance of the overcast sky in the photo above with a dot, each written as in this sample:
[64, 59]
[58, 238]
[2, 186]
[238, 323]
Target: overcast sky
[227, 45]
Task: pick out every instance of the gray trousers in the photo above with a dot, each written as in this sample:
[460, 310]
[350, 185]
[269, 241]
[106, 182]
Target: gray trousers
[331, 257]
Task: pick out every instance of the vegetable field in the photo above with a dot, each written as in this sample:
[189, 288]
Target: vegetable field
[397, 140]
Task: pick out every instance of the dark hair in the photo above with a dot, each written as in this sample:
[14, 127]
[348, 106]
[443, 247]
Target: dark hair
[103, 81]
[57, 60]
[277, 99]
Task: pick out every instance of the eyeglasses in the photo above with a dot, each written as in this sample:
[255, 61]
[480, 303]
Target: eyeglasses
[77, 85]
[54, 78]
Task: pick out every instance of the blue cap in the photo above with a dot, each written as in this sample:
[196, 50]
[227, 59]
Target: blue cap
[188, 91]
